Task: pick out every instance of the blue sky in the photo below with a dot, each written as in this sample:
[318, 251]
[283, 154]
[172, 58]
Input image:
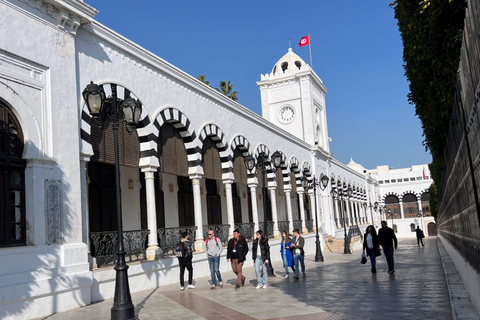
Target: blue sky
[356, 51]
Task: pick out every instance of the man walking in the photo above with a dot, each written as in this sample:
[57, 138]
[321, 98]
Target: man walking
[298, 254]
[388, 240]
[185, 254]
[237, 250]
[214, 249]
[420, 236]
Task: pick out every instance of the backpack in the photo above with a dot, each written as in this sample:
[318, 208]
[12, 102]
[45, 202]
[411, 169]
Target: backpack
[181, 250]
[206, 242]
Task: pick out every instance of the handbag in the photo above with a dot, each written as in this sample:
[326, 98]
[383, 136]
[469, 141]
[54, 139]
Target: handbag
[378, 252]
[364, 259]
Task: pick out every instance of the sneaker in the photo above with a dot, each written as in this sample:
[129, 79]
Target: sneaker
[374, 271]
[237, 287]
[286, 277]
[391, 271]
[243, 281]
[265, 286]
[258, 286]
[182, 288]
[304, 275]
[220, 284]
[212, 286]
[191, 286]
[296, 277]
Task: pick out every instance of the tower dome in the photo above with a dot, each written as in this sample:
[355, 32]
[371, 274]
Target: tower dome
[290, 62]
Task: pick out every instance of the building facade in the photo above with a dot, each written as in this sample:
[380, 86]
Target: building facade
[181, 169]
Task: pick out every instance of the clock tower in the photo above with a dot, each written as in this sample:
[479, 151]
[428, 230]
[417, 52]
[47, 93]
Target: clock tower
[293, 98]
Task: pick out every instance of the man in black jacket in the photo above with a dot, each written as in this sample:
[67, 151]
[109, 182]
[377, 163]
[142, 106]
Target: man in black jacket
[387, 239]
[237, 251]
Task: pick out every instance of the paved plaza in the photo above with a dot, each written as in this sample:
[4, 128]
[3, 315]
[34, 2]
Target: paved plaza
[339, 288]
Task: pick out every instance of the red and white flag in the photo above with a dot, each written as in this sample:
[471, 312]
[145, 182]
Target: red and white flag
[423, 173]
[304, 41]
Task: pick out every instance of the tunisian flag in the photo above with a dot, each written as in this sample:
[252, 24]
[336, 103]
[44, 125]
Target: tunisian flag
[423, 173]
[304, 41]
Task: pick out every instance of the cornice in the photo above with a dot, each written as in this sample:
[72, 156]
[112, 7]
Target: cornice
[269, 80]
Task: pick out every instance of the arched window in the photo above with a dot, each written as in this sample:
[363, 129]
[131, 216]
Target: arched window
[410, 206]
[12, 180]
[412, 227]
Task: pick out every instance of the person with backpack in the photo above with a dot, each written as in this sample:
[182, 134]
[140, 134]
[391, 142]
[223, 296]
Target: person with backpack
[184, 254]
[214, 249]
[237, 250]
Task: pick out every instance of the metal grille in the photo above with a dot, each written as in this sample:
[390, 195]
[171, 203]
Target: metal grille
[458, 207]
[220, 230]
[169, 237]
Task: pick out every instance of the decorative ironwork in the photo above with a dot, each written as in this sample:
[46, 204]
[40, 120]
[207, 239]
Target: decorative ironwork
[309, 225]
[169, 237]
[104, 246]
[247, 230]
[297, 224]
[221, 231]
[283, 226]
[270, 230]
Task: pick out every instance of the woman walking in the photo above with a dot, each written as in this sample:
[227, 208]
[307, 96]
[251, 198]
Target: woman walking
[261, 256]
[370, 244]
[287, 256]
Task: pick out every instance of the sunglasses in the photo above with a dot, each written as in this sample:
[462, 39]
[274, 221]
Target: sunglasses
[210, 234]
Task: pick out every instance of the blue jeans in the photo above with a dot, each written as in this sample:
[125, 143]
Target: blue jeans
[371, 254]
[260, 264]
[285, 262]
[298, 258]
[214, 263]
[388, 252]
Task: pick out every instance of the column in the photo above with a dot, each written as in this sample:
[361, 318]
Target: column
[337, 213]
[153, 250]
[312, 209]
[273, 201]
[348, 214]
[289, 209]
[302, 211]
[401, 209]
[197, 208]
[253, 193]
[230, 217]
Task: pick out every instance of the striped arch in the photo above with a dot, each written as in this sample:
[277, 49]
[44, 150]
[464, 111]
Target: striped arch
[242, 144]
[123, 93]
[295, 167]
[307, 171]
[216, 134]
[182, 124]
[285, 170]
[390, 194]
[263, 149]
[417, 195]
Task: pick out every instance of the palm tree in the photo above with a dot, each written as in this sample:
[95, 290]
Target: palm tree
[226, 88]
[202, 78]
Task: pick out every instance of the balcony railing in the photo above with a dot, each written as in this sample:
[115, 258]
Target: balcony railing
[247, 230]
[169, 237]
[104, 246]
[220, 230]
[283, 226]
[309, 225]
[297, 224]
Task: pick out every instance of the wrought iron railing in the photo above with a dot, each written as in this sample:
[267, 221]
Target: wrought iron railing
[283, 226]
[221, 231]
[309, 225]
[297, 224]
[169, 237]
[269, 229]
[247, 230]
[104, 246]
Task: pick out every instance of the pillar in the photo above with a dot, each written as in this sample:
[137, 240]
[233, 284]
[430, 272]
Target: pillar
[302, 211]
[289, 209]
[197, 208]
[229, 198]
[253, 195]
[153, 250]
[273, 200]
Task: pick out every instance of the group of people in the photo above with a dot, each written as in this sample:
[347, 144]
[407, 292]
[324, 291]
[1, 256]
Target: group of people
[372, 242]
[291, 250]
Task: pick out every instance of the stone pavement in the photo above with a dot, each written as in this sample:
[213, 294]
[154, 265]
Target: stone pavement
[339, 288]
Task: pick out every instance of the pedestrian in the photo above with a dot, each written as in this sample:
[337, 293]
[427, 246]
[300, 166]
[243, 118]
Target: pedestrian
[214, 249]
[388, 241]
[371, 246]
[420, 236]
[185, 260]
[237, 250]
[261, 256]
[298, 254]
[287, 256]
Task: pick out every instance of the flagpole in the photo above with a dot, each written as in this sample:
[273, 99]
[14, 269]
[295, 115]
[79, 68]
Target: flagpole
[310, 49]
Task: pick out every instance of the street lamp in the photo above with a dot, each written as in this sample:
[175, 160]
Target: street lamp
[420, 214]
[314, 184]
[262, 163]
[115, 110]
[341, 196]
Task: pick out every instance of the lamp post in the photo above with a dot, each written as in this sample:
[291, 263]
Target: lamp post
[341, 196]
[262, 163]
[129, 111]
[314, 184]
[420, 213]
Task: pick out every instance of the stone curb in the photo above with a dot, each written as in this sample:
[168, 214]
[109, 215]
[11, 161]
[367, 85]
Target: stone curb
[462, 306]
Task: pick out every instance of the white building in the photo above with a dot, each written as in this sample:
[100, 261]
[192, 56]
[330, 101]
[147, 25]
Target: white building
[183, 168]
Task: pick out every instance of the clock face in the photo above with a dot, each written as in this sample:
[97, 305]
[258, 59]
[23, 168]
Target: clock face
[286, 114]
